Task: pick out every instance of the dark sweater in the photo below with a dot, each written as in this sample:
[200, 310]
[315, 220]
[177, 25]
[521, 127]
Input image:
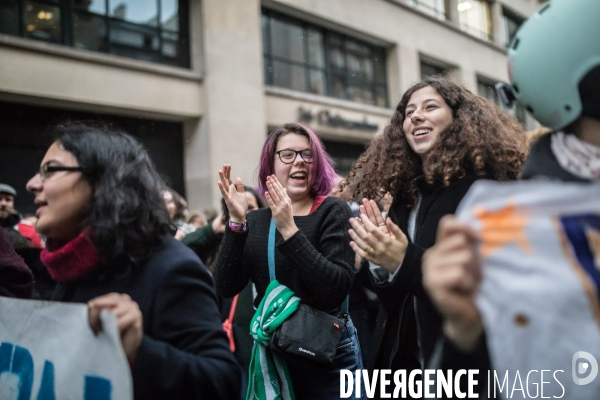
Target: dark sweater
[16, 279]
[316, 262]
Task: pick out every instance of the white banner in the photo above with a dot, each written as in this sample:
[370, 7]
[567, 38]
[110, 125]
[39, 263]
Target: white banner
[539, 296]
[48, 351]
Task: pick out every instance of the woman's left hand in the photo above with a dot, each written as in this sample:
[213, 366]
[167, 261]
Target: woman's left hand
[129, 320]
[369, 242]
[281, 207]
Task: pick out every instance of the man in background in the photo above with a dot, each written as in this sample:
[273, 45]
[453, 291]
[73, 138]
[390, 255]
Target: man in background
[10, 218]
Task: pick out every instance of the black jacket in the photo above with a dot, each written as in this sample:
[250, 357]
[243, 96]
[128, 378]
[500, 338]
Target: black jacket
[184, 352]
[410, 321]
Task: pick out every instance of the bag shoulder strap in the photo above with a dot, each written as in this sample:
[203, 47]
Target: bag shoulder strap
[233, 305]
[271, 254]
[271, 257]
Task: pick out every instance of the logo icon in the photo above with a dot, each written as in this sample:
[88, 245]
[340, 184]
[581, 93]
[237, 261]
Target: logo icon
[580, 367]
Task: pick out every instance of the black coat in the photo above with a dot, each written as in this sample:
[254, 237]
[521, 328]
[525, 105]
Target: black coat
[409, 320]
[184, 352]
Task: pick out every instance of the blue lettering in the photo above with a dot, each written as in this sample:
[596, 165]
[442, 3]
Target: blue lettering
[97, 388]
[18, 361]
[47, 386]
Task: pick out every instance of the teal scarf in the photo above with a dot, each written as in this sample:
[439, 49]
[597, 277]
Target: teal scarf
[269, 378]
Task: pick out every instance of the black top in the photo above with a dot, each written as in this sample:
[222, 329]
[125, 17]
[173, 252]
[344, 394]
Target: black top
[184, 352]
[412, 324]
[316, 263]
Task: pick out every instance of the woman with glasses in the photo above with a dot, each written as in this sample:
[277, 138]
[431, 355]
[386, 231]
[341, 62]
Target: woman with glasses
[109, 245]
[312, 256]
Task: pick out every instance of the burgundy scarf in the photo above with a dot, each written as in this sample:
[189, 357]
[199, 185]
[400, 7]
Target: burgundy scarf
[73, 260]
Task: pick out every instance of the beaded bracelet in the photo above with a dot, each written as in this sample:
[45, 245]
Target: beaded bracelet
[237, 227]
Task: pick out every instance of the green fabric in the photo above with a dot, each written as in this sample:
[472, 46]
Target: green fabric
[268, 375]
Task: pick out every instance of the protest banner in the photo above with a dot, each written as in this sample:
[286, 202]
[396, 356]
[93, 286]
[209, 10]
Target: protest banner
[539, 297]
[48, 351]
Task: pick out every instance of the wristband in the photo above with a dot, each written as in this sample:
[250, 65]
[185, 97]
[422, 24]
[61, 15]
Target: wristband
[237, 227]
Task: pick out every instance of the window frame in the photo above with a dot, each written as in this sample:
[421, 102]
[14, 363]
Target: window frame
[440, 67]
[68, 13]
[508, 14]
[476, 32]
[517, 110]
[439, 14]
[375, 85]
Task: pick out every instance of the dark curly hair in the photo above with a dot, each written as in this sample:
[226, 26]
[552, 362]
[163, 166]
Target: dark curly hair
[127, 218]
[481, 140]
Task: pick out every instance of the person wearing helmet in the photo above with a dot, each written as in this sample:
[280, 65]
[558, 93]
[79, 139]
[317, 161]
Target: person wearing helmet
[554, 70]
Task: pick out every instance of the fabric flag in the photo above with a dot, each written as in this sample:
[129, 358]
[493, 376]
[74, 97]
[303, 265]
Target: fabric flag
[48, 351]
[268, 373]
[539, 298]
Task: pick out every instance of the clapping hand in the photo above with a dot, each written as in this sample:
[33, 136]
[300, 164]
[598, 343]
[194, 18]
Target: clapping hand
[371, 210]
[281, 207]
[378, 241]
[233, 194]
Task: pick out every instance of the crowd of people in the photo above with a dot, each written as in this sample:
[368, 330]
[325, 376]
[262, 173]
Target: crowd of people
[187, 288]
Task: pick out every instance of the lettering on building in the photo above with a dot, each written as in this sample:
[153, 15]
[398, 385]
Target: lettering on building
[326, 118]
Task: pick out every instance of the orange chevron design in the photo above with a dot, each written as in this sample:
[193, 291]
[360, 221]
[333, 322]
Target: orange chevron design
[501, 227]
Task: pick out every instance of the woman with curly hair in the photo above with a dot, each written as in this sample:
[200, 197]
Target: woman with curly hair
[440, 140]
[109, 244]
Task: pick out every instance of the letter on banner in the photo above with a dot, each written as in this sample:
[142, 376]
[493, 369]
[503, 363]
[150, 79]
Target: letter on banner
[48, 352]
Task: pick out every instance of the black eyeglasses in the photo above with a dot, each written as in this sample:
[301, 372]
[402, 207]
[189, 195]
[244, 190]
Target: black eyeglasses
[46, 170]
[289, 156]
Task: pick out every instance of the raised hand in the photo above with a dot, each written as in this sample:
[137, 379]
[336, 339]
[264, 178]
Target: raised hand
[372, 244]
[281, 207]
[233, 194]
[451, 276]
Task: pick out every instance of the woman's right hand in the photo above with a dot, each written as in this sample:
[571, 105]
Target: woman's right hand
[233, 194]
[371, 210]
[451, 276]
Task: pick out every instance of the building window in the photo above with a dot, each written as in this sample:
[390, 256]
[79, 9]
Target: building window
[435, 8]
[512, 22]
[152, 30]
[343, 154]
[474, 18]
[431, 68]
[486, 89]
[307, 58]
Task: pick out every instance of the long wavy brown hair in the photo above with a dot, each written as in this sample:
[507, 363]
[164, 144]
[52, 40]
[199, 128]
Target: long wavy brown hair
[481, 140]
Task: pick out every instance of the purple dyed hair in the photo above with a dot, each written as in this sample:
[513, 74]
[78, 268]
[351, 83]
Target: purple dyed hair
[324, 174]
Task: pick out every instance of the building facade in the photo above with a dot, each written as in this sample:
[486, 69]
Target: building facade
[202, 82]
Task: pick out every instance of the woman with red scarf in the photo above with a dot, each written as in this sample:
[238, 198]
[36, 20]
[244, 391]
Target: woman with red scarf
[109, 245]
